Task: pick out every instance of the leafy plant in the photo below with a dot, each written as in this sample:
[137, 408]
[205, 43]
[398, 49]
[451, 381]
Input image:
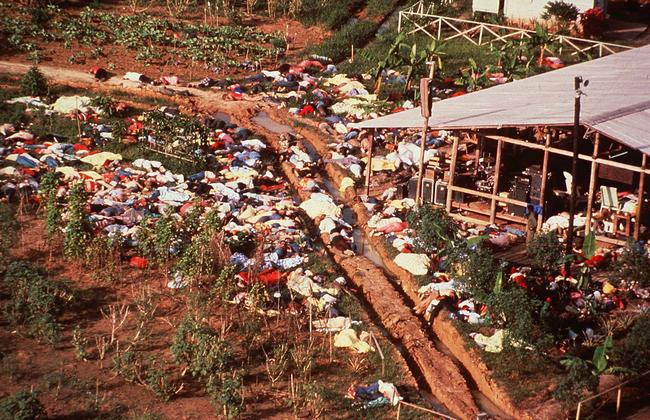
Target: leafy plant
[230, 396]
[634, 264]
[433, 228]
[21, 406]
[36, 301]
[475, 269]
[633, 353]
[473, 77]
[80, 344]
[545, 251]
[34, 83]
[543, 40]
[76, 237]
[561, 11]
[199, 348]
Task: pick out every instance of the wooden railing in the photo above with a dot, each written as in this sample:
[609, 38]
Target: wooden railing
[619, 390]
[421, 18]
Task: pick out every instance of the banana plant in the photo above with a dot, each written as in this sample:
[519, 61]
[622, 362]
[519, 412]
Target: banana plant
[599, 363]
[543, 40]
[392, 59]
[514, 59]
[473, 77]
[417, 58]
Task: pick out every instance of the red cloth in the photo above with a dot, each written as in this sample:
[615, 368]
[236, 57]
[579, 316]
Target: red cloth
[268, 277]
[138, 262]
[306, 110]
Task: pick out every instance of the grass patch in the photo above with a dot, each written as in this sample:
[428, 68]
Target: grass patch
[331, 14]
[338, 46]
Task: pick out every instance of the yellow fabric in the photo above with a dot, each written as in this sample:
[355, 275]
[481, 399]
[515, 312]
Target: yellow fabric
[347, 338]
[417, 264]
[381, 164]
[99, 159]
[608, 288]
[346, 183]
[68, 172]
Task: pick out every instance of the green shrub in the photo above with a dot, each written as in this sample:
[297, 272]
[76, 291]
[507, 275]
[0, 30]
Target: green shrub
[560, 10]
[633, 352]
[21, 406]
[9, 227]
[332, 14]
[34, 83]
[475, 269]
[36, 301]
[634, 264]
[337, 47]
[230, 396]
[76, 236]
[433, 228]
[513, 310]
[198, 347]
[545, 251]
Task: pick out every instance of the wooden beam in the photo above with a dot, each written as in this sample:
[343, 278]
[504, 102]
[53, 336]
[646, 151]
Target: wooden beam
[495, 187]
[542, 193]
[452, 173]
[639, 203]
[489, 196]
[592, 184]
[568, 153]
[369, 164]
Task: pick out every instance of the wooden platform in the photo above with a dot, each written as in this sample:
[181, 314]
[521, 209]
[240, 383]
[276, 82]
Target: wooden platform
[515, 255]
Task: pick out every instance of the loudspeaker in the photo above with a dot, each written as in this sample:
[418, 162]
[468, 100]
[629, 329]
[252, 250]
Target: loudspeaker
[440, 195]
[427, 190]
[412, 187]
[519, 191]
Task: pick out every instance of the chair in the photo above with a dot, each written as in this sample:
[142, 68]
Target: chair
[609, 198]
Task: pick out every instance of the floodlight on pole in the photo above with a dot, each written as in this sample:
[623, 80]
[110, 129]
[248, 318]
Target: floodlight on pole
[577, 84]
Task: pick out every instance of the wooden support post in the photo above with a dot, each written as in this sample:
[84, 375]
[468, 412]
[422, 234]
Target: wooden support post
[452, 172]
[592, 184]
[639, 204]
[369, 164]
[618, 397]
[477, 153]
[495, 188]
[542, 193]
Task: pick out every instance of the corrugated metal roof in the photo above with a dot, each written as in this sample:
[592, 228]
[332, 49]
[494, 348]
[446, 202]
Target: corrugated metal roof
[616, 101]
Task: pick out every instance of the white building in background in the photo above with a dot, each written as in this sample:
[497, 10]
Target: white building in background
[528, 9]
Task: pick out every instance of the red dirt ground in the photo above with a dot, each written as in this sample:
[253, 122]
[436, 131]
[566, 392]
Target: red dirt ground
[299, 37]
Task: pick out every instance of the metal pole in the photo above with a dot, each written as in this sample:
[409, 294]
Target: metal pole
[423, 141]
[371, 138]
[577, 81]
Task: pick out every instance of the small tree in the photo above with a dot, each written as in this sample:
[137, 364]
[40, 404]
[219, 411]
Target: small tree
[21, 406]
[74, 244]
[546, 251]
[563, 13]
[433, 227]
[34, 83]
